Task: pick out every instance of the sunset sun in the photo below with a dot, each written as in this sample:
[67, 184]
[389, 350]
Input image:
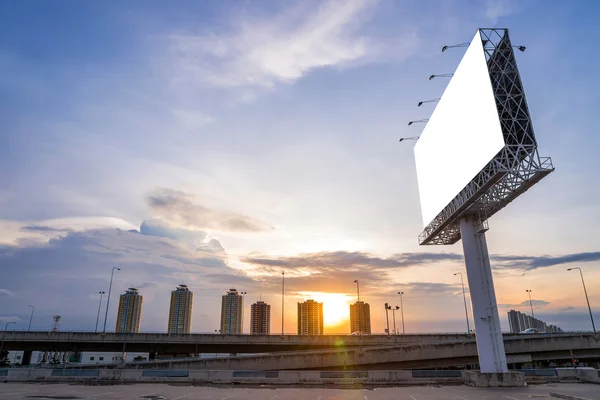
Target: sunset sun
[336, 306]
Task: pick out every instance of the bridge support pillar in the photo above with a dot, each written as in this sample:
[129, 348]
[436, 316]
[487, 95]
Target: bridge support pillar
[490, 345]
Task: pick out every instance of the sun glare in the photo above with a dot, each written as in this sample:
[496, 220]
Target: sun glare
[336, 306]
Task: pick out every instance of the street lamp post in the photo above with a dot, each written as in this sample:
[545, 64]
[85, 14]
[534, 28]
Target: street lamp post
[394, 318]
[465, 300]
[242, 324]
[387, 319]
[402, 311]
[282, 300]
[530, 303]
[586, 297]
[4, 334]
[99, 306]
[108, 297]
[357, 291]
[31, 317]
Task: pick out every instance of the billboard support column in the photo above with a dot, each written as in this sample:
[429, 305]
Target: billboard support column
[490, 345]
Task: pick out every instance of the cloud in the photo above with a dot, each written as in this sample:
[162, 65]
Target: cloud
[344, 260]
[145, 285]
[529, 263]
[437, 288]
[7, 293]
[212, 246]
[181, 209]
[160, 228]
[78, 265]
[569, 308]
[352, 260]
[281, 48]
[331, 271]
[496, 9]
[45, 229]
[536, 303]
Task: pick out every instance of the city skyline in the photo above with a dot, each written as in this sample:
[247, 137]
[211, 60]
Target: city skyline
[129, 315]
[224, 146]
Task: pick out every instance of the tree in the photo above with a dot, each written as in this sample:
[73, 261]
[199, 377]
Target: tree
[4, 361]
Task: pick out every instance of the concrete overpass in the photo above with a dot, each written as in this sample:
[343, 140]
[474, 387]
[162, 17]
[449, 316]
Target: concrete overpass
[519, 349]
[163, 343]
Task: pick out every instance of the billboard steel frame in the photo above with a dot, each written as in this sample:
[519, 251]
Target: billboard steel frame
[515, 169]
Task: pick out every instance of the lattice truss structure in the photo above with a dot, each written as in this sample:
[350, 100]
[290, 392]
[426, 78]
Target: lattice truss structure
[515, 169]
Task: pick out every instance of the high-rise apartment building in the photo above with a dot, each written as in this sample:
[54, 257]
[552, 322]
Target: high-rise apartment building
[518, 322]
[260, 318]
[232, 313]
[360, 318]
[310, 318]
[180, 312]
[130, 311]
[513, 321]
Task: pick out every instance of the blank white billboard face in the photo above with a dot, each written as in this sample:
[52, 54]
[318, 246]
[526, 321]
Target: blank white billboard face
[462, 135]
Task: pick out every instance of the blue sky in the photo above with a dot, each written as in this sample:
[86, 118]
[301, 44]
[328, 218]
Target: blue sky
[246, 136]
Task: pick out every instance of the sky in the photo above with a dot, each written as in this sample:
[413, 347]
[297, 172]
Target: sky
[220, 143]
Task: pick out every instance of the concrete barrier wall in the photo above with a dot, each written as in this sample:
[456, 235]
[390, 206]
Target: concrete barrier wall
[588, 375]
[390, 376]
[267, 377]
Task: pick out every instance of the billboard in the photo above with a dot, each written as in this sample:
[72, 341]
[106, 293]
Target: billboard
[462, 136]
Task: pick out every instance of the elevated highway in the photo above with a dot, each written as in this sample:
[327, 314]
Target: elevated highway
[239, 344]
[163, 343]
[519, 349]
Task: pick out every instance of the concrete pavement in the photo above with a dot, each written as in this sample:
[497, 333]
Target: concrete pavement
[16, 391]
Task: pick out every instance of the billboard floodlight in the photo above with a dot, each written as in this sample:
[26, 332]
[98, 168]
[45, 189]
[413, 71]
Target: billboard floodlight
[521, 48]
[419, 120]
[408, 138]
[428, 101]
[441, 76]
[455, 45]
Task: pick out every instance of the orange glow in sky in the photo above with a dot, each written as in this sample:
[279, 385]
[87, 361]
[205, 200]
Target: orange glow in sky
[336, 306]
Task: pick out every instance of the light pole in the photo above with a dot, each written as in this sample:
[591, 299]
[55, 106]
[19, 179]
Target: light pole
[282, 300]
[99, 306]
[243, 293]
[394, 318]
[4, 334]
[357, 291]
[402, 311]
[465, 300]
[31, 317]
[108, 297]
[387, 319]
[586, 297]
[530, 303]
